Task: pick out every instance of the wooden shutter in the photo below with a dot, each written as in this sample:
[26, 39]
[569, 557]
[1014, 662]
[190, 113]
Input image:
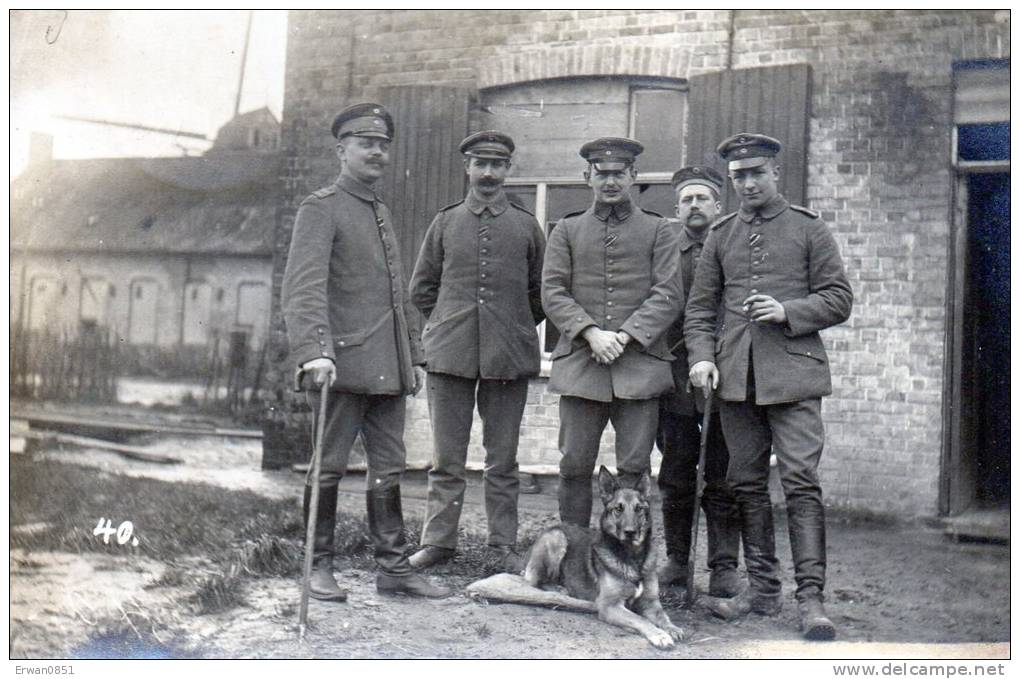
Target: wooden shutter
[425, 171]
[775, 101]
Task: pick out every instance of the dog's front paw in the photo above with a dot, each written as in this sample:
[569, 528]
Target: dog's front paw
[661, 639]
[675, 632]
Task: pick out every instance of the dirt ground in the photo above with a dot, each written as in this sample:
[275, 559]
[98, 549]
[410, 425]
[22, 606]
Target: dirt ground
[894, 590]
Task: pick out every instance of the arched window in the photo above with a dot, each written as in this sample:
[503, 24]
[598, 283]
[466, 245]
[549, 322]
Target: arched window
[197, 310]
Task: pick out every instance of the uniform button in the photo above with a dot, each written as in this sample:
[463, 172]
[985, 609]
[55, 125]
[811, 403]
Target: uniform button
[486, 239]
[483, 275]
[484, 263]
[609, 275]
[579, 318]
[610, 289]
[754, 291]
[609, 318]
[609, 304]
[481, 301]
[325, 354]
[648, 335]
[382, 377]
[757, 249]
[482, 289]
[321, 331]
[637, 325]
[610, 261]
[342, 343]
[393, 275]
[754, 278]
[485, 251]
[322, 343]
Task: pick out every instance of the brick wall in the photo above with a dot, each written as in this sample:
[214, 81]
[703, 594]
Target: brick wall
[878, 171]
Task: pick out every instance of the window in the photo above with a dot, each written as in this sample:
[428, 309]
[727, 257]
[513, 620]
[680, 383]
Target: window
[142, 313]
[197, 313]
[44, 304]
[550, 121]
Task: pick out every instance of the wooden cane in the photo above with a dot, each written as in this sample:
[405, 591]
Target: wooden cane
[313, 510]
[706, 419]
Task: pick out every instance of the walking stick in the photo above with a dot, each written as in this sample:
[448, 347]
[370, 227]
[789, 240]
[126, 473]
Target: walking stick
[706, 419]
[313, 510]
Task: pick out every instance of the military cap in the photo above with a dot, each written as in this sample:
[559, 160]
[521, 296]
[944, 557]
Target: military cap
[696, 174]
[748, 150]
[363, 120]
[488, 144]
[611, 153]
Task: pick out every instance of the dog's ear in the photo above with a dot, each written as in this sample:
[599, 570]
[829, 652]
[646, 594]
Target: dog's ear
[645, 484]
[607, 484]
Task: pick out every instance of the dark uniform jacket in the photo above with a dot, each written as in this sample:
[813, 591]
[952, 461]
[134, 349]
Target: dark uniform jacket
[683, 400]
[478, 281]
[784, 251]
[614, 267]
[344, 294]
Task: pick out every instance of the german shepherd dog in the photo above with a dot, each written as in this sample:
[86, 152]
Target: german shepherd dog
[616, 566]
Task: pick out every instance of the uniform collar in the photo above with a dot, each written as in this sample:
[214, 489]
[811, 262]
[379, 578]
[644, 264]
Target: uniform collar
[767, 211]
[478, 205]
[356, 188]
[688, 240]
[619, 211]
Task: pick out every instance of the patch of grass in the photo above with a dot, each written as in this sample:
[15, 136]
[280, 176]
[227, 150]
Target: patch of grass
[219, 592]
[171, 520]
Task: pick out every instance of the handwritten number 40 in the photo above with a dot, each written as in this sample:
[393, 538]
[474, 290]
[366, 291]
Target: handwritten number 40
[123, 532]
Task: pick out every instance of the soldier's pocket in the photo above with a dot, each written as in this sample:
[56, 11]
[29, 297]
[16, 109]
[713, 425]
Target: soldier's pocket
[808, 349]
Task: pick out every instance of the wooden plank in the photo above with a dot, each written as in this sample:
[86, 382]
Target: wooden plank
[424, 173]
[132, 452]
[36, 416]
[773, 101]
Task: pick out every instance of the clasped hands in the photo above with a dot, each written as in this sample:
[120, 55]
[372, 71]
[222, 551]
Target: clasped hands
[606, 345]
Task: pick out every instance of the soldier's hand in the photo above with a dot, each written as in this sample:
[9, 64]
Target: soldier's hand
[623, 337]
[322, 370]
[764, 309]
[605, 345]
[705, 376]
[419, 379]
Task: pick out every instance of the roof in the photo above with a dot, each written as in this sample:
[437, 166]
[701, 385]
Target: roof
[215, 204]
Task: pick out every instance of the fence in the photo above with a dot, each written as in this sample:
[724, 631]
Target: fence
[58, 365]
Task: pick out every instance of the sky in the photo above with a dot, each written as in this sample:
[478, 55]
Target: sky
[167, 69]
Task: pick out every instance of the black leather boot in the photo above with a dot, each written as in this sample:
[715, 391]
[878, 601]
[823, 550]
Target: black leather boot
[386, 526]
[722, 520]
[677, 513]
[764, 592]
[575, 496]
[806, 520]
[814, 623]
[759, 538]
[322, 584]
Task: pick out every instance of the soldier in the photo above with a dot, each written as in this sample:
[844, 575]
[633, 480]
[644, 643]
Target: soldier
[611, 286]
[776, 269]
[350, 325]
[679, 438]
[478, 281]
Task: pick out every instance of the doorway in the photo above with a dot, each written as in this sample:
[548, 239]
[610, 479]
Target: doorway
[975, 482]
